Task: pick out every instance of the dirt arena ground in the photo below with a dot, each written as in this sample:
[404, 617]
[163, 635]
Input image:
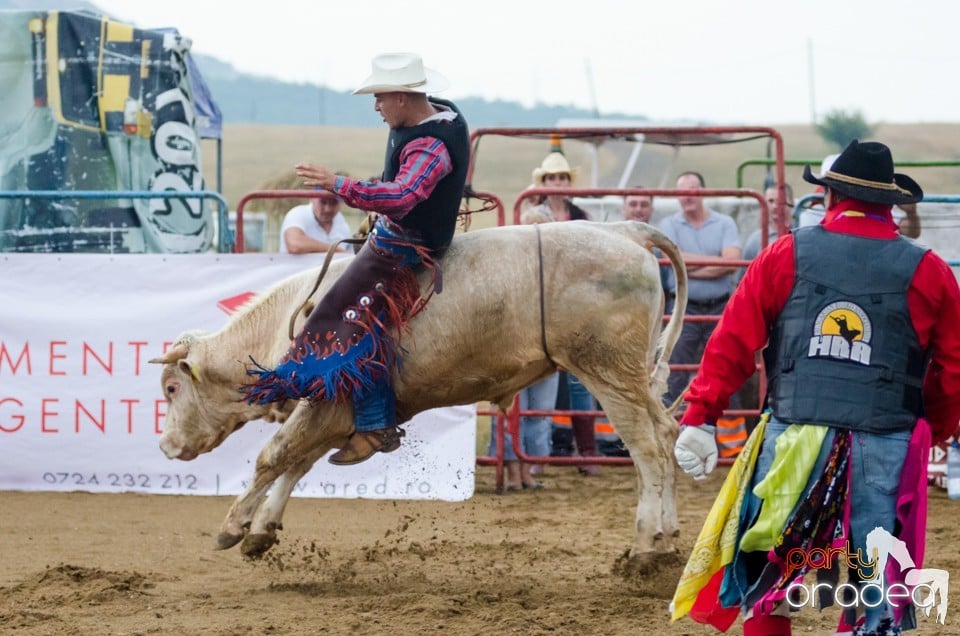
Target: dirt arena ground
[534, 562]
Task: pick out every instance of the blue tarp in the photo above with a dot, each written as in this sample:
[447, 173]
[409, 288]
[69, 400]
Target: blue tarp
[209, 117]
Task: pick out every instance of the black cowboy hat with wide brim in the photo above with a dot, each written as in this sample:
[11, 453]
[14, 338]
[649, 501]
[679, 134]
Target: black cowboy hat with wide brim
[864, 171]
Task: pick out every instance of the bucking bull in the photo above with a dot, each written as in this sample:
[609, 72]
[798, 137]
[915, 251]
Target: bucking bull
[516, 302]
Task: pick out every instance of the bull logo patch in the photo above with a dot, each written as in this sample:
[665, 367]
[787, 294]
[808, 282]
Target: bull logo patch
[842, 331]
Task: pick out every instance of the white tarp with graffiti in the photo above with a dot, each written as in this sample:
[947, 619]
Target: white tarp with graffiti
[90, 104]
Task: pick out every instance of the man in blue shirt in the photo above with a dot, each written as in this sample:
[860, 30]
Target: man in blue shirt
[699, 232]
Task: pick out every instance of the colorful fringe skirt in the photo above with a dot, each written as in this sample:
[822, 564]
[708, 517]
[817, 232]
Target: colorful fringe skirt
[745, 556]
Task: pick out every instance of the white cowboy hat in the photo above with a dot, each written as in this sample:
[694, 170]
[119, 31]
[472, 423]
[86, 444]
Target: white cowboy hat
[401, 73]
[827, 163]
[553, 163]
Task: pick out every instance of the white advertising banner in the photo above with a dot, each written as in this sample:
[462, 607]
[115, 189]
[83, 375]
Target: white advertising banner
[81, 409]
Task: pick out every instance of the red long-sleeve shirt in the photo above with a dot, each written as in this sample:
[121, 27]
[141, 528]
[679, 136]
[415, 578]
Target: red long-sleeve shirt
[423, 163]
[933, 300]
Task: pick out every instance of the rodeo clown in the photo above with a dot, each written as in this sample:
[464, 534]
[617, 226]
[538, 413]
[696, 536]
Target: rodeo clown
[863, 361]
[345, 350]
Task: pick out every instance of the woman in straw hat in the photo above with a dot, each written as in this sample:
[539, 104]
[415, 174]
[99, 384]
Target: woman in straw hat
[555, 172]
[346, 351]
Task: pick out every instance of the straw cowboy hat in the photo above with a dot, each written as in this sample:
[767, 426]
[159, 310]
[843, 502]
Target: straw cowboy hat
[553, 163]
[864, 171]
[401, 73]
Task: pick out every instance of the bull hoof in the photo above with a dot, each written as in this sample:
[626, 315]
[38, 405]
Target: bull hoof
[255, 545]
[226, 540]
[647, 564]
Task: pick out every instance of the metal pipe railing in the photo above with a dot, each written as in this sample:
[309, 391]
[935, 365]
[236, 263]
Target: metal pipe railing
[946, 163]
[816, 198]
[314, 194]
[224, 239]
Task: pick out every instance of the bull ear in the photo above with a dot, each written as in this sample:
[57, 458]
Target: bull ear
[177, 352]
[190, 369]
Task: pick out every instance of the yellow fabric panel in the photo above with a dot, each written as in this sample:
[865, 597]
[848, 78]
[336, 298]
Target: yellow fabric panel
[53, 67]
[119, 32]
[116, 89]
[144, 59]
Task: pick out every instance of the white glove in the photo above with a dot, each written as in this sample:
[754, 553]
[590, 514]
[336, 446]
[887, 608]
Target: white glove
[696, 450]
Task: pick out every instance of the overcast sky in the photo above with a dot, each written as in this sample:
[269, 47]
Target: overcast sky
[740, 61]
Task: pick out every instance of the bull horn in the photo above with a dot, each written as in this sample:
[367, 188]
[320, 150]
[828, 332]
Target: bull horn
[178, 352]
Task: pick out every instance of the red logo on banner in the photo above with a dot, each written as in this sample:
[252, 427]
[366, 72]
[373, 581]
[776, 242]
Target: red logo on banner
[230, 305]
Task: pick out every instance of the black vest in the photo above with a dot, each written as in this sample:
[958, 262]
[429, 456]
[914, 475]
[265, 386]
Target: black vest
[434, 220]
[843, 352]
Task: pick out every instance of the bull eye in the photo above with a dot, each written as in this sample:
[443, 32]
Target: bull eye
[365, 301]
[350, 314]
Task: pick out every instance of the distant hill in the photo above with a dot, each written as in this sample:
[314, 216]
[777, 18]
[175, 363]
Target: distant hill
[250, 99]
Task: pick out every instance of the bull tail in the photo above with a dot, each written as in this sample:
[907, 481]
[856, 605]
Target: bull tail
[653, 237]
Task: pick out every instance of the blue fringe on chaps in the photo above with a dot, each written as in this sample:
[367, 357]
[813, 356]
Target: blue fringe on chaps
[347, 349]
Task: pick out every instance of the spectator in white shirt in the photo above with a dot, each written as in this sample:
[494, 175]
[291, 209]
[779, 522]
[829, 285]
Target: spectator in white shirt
[314, 227]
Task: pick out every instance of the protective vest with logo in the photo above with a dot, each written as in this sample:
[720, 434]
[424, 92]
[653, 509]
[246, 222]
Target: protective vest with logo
[843, 351]
[435, 219]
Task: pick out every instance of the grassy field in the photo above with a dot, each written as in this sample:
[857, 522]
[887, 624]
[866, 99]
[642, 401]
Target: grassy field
[258, 157]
